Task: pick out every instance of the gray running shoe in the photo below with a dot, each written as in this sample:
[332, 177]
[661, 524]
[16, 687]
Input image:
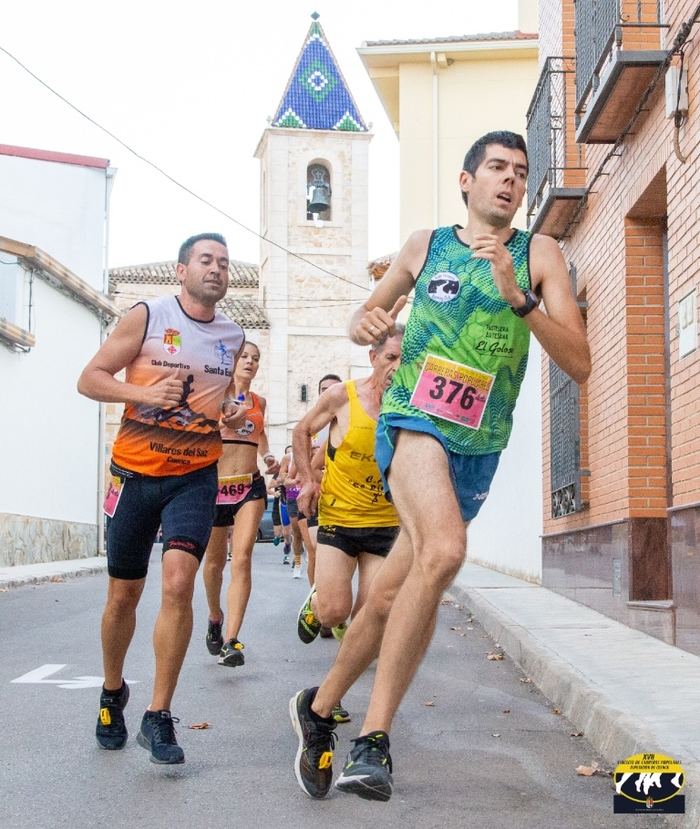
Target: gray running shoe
[231, 654]
[367, 771]
[157, 735]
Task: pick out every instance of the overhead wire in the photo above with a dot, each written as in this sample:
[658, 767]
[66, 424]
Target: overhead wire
[172, 179]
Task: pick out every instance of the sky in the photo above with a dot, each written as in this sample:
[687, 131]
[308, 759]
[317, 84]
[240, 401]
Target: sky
[190, 86]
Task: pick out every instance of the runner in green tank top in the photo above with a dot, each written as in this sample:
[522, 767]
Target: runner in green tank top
[445, 420]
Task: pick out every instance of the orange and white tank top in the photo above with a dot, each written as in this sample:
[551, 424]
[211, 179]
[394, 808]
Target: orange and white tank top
[352, 493]
[154, 441]
[251, 430]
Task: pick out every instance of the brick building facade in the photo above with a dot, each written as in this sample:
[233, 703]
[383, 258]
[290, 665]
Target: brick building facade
[614, 176]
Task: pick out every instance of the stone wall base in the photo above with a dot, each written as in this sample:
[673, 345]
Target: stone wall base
[621, 570]
[25, 539]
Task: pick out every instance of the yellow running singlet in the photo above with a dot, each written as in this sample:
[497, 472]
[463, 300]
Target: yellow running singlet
[352, 494]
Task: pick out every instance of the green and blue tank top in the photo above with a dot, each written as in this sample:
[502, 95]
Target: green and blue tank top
[458, 315]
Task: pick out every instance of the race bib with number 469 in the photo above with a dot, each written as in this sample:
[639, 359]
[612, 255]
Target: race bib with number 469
[233, 488]
[452, 391]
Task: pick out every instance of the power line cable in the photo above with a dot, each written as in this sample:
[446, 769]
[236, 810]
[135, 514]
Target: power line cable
[170, 178]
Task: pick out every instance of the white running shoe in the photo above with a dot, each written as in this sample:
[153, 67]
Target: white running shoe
[296, 572]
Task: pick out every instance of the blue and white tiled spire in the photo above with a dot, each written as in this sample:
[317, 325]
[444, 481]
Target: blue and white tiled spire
[317, 97]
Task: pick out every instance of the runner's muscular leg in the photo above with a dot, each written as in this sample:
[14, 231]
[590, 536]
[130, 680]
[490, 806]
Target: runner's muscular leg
[118, 624]
[173, 629]
[438, 536]
[297, 542]
[332, 602]
[361, 642]
[368, 567]
[245, 532]
[213, 570]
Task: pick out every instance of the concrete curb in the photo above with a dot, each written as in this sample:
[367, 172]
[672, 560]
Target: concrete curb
[612, 731]
[41, 573]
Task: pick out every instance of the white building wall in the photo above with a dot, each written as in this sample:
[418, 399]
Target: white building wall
[50, 431]
[506, 534]
[59, 208]
[49, 499]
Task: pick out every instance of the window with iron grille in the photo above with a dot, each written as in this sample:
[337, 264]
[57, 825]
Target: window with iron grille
[565, 437]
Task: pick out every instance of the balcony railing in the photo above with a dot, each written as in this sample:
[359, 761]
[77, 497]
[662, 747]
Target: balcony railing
[613, 36]
[552, 153]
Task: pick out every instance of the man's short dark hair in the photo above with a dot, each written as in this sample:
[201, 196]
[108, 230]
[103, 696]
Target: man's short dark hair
[185, 253]
[328, 377]
[477, 151]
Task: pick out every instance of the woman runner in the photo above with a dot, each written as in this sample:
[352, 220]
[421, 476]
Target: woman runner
[241, 501]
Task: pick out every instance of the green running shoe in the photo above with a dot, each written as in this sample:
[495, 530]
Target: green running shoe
[340, 714]
[339, 630]
[308, 626]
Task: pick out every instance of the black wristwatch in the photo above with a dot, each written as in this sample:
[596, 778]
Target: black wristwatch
[531, 301]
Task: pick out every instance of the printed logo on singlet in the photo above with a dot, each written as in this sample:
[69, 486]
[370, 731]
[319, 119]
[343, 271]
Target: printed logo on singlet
[172, 341]
[223, 355]
[246, 429]
[443, 287]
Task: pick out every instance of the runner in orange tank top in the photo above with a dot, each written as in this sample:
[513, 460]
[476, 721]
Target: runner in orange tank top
[179, 353]
[240, 503]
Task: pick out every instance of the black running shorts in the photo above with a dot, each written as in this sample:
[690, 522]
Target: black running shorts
[355, 540]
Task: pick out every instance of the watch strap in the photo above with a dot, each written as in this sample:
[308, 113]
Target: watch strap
[531, 302]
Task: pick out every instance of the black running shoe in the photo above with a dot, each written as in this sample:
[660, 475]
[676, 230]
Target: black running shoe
[214, 638]
[313, 765]
[367, 771]
[157, 735]
[231, 653]
[111, 730]
[325, 633]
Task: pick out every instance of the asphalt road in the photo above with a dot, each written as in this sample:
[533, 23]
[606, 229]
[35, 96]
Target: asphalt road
[474, 744]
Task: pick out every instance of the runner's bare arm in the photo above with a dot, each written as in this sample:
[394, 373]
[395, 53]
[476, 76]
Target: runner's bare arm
[98, 382]
[318, 461]
[377, 315]
[324, 410]
[319, 415]
[284, 470]
[560, 331]
[264, 446]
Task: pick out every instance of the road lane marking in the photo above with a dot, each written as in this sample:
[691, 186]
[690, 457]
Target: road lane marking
[39, 677]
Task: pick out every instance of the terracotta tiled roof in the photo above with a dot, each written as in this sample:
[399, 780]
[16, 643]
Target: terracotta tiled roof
[379, 266]
[241, 274]
[515, 35]
[245, 311]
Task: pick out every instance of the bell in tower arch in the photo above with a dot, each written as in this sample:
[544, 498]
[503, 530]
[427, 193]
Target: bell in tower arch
[319, 190]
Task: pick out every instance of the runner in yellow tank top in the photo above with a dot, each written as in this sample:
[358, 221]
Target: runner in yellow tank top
[352, 494]
[357, 525]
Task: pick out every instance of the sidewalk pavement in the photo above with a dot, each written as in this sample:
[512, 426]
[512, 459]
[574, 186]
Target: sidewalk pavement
[627, 691]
